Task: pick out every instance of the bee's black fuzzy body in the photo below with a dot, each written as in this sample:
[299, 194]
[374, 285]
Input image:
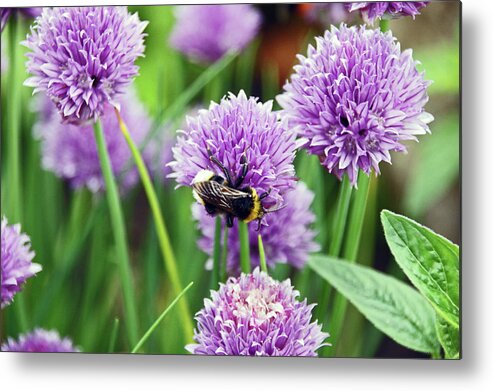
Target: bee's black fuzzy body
[214, 192]
[222, 195]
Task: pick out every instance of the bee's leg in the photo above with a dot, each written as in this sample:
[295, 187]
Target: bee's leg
[229, 220]
[225, 171]
[265, 194]
[244, 170]
[259, 222]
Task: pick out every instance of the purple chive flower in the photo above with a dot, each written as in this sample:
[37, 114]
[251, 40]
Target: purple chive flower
[355, 98]
[239, 125]
[17, 265]
[70, 151]
[41, 341]
[83, 57]
[288, 238]
[254, 315]
[326, 14]
[205, 33]
[28, 12]
[386, 9]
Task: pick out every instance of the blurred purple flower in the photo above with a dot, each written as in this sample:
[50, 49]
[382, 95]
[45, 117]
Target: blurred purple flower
[205, 33]
[386, 9]
[70, 151]
[239, 125]
[254, 315]
[83, 57]
[355, 98]
[326, 14]
[28, 12]
[41, 341]
[288, 238]
[17, 265]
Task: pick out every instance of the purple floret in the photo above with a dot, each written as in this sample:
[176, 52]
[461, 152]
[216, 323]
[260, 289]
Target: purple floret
[370, 11]
[84, 57]
[239, 125]
[355, 98]
[205, 33]
[17, 265]
[40, 341]
[70, 151]
[254, 315]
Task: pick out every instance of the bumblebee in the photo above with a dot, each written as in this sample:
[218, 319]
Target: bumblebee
[222, 195]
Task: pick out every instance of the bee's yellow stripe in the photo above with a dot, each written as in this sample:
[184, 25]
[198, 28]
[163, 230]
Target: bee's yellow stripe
[257, 208]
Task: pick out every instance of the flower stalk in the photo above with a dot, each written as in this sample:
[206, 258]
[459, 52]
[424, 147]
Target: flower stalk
[244, 247]
[120, 236]
[162, 232]
[224, 255]
[13, 196]
[217, 254]
[350, 252]
[261, 251]
[384, 25]
[339, 225]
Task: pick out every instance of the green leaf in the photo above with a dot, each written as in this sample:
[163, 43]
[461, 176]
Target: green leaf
[429, 260]
[437, 166]
[392, 306]
[449, 338]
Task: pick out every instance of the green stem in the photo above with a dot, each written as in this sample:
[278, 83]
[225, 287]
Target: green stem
[436, 355]
[159, 320]
[384, 25]
[120, 236]
[13, 106]
[340, 217]
[356, 218]
[217, 254]
[114, 333]
[13, 198]
[162, 232]
[339, 225]
[244, 247]
[224, 255]
[350, 250]
[261, 253]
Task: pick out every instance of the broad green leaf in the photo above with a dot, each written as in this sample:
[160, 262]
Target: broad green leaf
[392, 306]
[429, 260]
[437, 166]
[449, 338]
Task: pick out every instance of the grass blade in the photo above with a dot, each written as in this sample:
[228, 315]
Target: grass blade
[160, 319]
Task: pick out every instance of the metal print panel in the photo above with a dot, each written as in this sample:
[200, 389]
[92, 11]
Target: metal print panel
[242, 179]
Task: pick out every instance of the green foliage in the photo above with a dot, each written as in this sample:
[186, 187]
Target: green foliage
[429, 260]
[437, 166]
[449, 338]
[392, 306]
[441, 65]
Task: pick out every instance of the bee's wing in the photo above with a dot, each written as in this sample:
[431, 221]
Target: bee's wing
[218, 195]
